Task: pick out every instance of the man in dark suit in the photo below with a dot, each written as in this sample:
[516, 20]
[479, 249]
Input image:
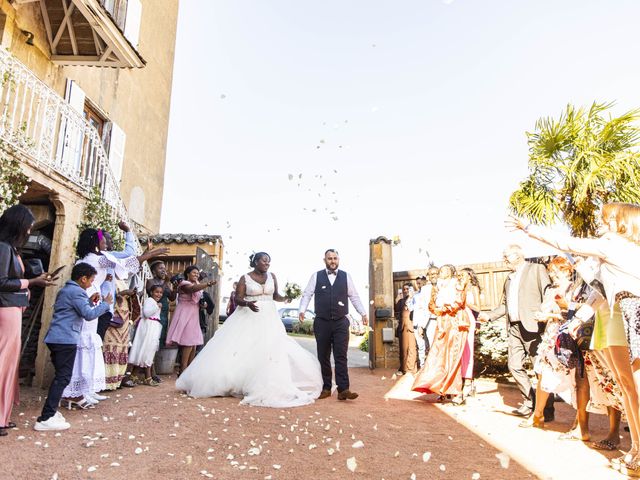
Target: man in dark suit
[332, 289]
[521, 299]
[404, 332]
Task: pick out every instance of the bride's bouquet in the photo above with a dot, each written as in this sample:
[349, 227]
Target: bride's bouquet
[292, 291]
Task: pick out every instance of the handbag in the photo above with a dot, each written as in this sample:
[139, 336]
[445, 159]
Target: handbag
[584, 333]
[116, 321]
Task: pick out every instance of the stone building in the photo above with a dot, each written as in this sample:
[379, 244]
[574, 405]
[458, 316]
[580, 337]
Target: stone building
[85, 90]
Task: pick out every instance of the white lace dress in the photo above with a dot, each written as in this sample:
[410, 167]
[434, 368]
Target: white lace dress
[88, 369]
[252, 357]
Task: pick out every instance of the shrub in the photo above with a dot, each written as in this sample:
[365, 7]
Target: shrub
[99, 214]
[304, 328]
[13, 182]
[364, 344]
[491, 349]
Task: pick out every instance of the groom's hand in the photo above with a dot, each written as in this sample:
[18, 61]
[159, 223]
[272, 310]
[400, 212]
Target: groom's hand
[301, 317]
[365, 320]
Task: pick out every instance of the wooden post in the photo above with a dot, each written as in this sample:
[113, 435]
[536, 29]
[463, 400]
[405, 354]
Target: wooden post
[381, 296]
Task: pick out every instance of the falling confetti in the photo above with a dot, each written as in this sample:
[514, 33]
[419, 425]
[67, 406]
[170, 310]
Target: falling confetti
[352, 464]
[358, 444]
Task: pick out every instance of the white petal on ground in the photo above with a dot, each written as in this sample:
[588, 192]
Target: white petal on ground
[358, 444]
[138, 451]
[352, 464]
[443, 468]
[504, 459]
[475, 476]
[426, 456]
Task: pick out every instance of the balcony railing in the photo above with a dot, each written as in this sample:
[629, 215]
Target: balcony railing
[52, 135]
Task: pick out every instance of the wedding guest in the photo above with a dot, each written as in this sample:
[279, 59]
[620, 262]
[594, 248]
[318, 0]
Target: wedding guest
[169, 294]
[231, 304]
[619, 338]
[109, 284]
[553, 376]
[404, 332]
[184, 329]
[206, 306]
[88, 376]
[442, 371]
[115, 347]
[147, 339]
[71, 309]
[419, 308]
[468, 280]
[430, 329]
[521, 298]
[15, 226]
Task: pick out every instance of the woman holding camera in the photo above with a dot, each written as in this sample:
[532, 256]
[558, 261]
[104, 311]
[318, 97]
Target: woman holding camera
[15, 226]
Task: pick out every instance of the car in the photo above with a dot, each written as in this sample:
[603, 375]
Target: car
[289, 317]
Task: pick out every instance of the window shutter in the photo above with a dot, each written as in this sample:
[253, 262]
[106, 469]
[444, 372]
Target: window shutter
[69, 151]
[116, 150]
[132, 24]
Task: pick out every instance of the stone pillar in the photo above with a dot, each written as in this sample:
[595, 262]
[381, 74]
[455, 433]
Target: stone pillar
[381, 296]
[68, 216]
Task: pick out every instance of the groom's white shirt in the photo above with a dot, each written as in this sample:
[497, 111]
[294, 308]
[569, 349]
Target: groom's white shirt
[351, 293]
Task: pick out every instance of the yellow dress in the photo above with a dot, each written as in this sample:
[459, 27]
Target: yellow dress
[608, 329]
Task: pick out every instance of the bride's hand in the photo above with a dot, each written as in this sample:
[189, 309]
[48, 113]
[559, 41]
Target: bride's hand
[253, 307]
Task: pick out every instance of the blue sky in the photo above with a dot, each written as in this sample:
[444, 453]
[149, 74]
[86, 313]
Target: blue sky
[404, 118]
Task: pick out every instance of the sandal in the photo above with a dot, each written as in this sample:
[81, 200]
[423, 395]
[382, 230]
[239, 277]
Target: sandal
[82, 404]
[571, 436]
[604, 445]
[617, 462]
[630, 469]
[3, 432]
[150, 382]
[156, 378]
[9, 425]
[458, 400]
[532, 421]
[127, 382]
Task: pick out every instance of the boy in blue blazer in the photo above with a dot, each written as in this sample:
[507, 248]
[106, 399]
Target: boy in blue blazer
[72, 307]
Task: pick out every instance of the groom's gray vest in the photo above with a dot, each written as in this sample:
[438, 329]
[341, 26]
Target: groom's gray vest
[331, 301]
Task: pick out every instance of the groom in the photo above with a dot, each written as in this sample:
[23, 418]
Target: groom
[333, 289]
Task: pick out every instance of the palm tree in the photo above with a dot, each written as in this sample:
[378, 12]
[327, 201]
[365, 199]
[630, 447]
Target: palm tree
[577, 163]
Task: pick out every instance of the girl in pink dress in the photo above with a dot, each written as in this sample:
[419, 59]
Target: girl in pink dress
[184, 329]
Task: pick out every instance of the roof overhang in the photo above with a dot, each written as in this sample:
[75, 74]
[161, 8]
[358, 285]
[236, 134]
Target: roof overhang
[84, 32]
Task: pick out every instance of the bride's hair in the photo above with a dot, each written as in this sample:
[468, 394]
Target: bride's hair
[253, 259]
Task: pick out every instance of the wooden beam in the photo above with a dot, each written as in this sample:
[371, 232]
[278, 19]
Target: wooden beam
[106, 54]
[47, 24]
[86, 60]
[96, 41]
[63, 24]
[72, 33]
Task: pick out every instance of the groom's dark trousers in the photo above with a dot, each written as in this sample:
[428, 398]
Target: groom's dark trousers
[333, 334]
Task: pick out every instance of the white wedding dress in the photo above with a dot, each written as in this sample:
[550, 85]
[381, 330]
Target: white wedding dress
[251, 356]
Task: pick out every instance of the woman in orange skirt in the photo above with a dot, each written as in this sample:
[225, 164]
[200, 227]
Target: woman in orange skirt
[442, 372]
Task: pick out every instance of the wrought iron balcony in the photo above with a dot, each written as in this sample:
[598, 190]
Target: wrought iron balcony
[51, 135]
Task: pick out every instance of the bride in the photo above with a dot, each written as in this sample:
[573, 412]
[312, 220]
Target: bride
[251, 355]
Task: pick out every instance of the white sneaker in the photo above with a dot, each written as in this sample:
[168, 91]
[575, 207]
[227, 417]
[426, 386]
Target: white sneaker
[97, 396]
[52, 424]
[59, 416]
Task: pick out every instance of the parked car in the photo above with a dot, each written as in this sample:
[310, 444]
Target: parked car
[289, 317]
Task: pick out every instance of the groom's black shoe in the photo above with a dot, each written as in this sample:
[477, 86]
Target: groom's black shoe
[324, 394]
[347, 395]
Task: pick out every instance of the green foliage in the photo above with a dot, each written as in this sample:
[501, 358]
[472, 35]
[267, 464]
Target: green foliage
[364, 344]
[577, 163]
[490, 352]
[99, 214]
[304, 328]
[13, 182]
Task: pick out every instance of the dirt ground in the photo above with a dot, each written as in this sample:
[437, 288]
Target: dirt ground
[387, 433]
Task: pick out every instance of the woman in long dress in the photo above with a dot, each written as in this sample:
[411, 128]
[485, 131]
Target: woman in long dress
[88, 376]
[442, 372]
[251, 356]
[184, 329]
